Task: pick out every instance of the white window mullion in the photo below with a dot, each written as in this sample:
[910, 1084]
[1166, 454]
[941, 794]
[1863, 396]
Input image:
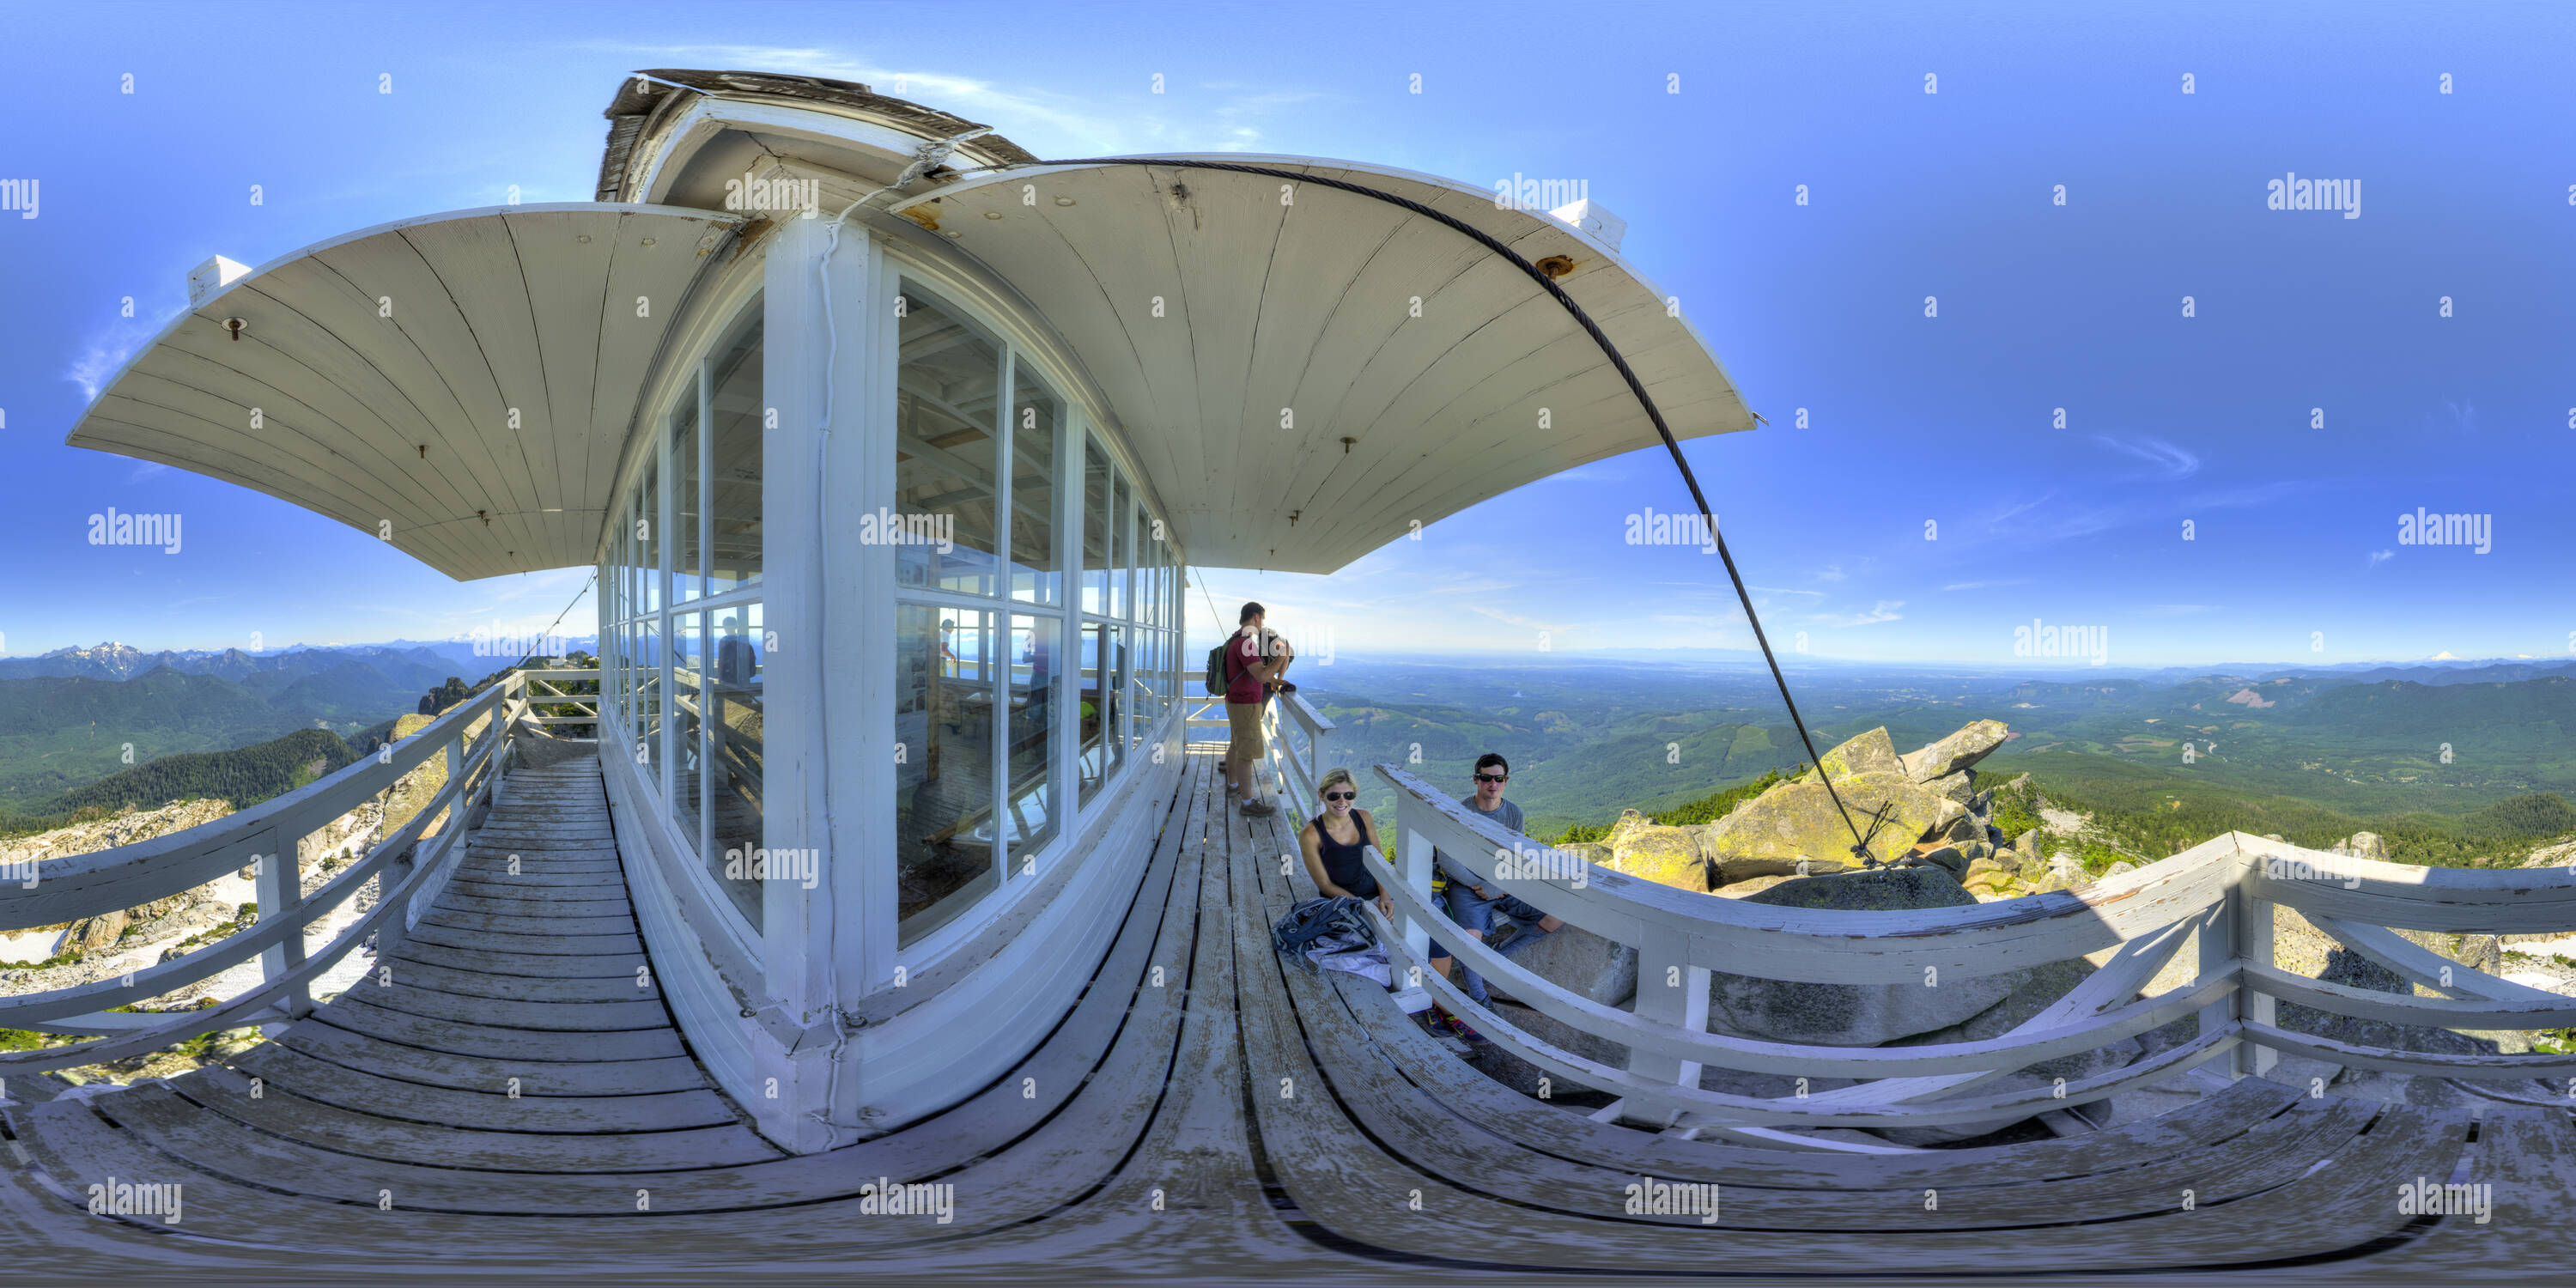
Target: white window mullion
[998, 665]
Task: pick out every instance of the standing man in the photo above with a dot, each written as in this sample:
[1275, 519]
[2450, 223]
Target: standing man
[1474, 906]
[1254, 661]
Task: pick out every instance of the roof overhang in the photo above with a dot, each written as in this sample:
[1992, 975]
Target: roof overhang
[1307, 376]
[460, 384]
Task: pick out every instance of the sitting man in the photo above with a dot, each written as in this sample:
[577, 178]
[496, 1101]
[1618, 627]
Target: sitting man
[1475, 906]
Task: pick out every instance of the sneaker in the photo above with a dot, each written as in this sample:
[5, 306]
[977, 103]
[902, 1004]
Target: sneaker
[1259, 809]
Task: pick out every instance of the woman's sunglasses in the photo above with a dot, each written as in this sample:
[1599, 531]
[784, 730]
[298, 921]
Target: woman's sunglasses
[1341, 796]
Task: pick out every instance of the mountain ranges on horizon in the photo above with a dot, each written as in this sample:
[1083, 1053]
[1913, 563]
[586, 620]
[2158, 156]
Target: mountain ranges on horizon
[61, 732]
[115, 661]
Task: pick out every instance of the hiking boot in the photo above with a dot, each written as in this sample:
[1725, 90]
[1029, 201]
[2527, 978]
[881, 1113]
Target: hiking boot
[1259, 809]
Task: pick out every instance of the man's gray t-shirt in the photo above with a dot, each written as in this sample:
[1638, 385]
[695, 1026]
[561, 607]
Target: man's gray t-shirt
[1505, 813]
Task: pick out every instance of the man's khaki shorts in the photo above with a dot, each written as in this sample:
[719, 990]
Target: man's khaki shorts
[1243, 720]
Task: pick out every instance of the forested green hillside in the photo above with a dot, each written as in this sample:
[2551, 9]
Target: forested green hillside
[244, 776]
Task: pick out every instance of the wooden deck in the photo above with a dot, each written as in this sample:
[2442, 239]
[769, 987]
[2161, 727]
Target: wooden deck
[509, 1094]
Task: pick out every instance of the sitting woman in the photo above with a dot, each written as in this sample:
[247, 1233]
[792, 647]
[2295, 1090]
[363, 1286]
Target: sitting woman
[1333, 842]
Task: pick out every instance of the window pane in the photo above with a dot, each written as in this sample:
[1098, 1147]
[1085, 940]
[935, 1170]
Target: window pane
[1096, 475]
[1104, 745]
[734, 759]
[686, 512]
[1036, 564]
[1031, 804]
[733, 541]
[1121, 538]
[944, 770]
[648, 697]
[645, 521]
[947, 392]
[688, 662]
[1124, 653]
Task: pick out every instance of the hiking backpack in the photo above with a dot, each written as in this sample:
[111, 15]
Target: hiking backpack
[1218, 680]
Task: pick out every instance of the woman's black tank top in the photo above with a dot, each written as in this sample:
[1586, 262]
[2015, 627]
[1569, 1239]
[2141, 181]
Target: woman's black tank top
[1342, 862]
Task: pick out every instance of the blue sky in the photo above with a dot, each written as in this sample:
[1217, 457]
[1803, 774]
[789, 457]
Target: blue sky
[1911, 420]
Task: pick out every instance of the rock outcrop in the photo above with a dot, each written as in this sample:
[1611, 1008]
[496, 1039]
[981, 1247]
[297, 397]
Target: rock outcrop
[1959, 751]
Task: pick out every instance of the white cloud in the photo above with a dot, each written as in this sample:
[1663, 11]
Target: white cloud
[1984, 585]
[1884, 611]
[104, 352]
[1831, 572]
[2167, 463]
[1046, 123]
[2378, 557]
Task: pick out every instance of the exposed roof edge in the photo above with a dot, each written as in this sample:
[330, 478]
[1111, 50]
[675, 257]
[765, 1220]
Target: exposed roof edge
[646, 96]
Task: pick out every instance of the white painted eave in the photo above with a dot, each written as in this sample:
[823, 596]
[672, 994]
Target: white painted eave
[530, 307]
[1306, 306]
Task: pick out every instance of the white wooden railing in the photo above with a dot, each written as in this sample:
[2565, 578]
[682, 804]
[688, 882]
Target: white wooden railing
[1299, 738]
[475, 737]
[2220, 894]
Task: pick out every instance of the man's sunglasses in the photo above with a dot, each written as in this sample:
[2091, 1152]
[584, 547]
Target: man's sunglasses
[1493, 778]
[1341, 796]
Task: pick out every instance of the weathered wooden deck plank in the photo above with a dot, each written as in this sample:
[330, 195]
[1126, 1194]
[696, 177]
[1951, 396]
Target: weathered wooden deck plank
[496, 1148]
[503, 1046]
[285, 1065]
[410, 969]
[529, 966]
[622, 925]
[484, 941]
[621, 1015]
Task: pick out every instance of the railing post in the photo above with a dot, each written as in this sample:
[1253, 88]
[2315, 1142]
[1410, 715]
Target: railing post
[278, 878]
[2240, 931]
[2254, 947]
[1316, 763]
[1670, 991]
[1414, 856]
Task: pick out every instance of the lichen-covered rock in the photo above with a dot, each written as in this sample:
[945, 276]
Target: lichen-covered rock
[1958, 751]
[101, 931]
[1797, 820]
[1851, 1014]
[1644, 848]
[1869, 753]
[1960, 787]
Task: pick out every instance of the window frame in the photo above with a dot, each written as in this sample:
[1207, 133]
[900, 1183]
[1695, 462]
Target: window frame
[1080, 422]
